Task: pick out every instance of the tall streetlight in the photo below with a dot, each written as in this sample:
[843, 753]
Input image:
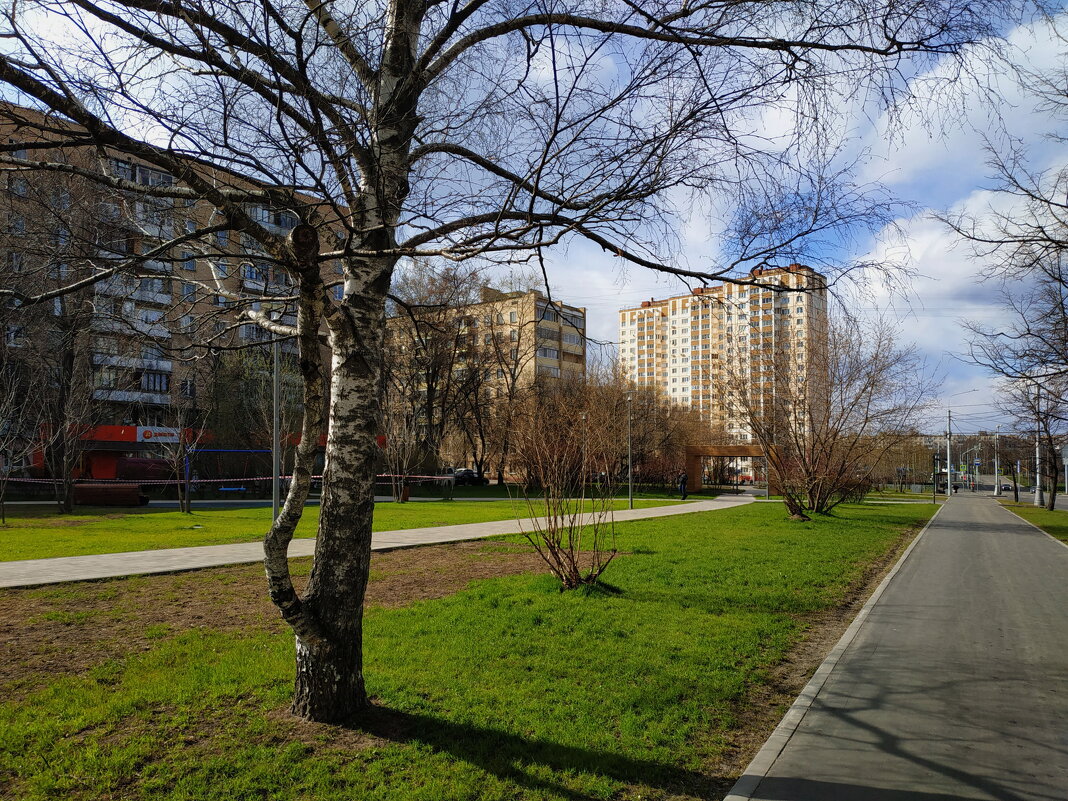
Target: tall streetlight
[964, 459]
[276, 425]
[949, 440]
[949, 455]
[585, 439]
[997, 463]
[1039, 499]
[630, 453]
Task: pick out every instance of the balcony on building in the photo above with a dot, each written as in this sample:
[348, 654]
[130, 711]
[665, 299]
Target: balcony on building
[131, 396]
[133, 362]
[156, 330]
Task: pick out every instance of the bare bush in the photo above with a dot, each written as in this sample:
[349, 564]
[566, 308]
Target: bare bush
[569, 440]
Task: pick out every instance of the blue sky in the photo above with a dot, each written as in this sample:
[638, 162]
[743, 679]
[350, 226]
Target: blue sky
[939, 165]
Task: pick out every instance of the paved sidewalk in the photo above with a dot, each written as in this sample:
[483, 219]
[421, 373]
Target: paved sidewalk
[80, 568]
[951, 684]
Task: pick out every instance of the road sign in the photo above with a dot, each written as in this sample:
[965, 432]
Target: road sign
[977, 463]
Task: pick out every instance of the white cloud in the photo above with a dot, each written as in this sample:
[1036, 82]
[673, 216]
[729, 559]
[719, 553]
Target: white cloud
[945, 139]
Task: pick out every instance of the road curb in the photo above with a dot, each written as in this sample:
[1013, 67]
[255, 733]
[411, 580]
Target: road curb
[750, 779]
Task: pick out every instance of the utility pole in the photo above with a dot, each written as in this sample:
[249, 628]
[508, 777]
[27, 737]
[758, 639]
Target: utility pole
[997, 463]
[1039, 500]
[949, 454]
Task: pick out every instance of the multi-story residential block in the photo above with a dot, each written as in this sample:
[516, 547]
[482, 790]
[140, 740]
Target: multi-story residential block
[141, 345]
[695, 348]
[456, 372]
[548, 337]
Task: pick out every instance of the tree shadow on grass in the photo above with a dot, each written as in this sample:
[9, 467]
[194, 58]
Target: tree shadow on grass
[521, 760]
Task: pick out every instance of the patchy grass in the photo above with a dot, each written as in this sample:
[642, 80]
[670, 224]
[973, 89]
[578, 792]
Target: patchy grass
[1054, 523]
[507, 689]
[39, 534]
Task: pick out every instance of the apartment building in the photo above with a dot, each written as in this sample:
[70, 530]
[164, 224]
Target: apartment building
[515, 337]
[694, 347]
[126, 343]
[545, 338]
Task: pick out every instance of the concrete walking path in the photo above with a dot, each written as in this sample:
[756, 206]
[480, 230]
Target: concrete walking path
[951, 684]
[32, 572]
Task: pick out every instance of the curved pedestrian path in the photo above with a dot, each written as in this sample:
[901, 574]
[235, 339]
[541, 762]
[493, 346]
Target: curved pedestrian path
[31, 572]
[951, 684]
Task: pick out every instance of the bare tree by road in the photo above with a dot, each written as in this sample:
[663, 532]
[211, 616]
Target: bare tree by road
[827, 419]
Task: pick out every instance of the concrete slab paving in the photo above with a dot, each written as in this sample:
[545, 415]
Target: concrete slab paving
[32, 572]
[954, 686]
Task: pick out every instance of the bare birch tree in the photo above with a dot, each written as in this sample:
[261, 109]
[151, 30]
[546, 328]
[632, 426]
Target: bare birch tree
[420, 129]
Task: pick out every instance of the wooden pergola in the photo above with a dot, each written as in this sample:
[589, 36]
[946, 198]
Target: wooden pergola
[695, 453]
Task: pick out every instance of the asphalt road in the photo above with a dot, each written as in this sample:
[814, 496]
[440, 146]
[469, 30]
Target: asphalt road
[956, 684]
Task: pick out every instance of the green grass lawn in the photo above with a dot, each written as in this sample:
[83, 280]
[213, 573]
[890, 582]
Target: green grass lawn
[1054, 523]
[507, 690]
[38, 533]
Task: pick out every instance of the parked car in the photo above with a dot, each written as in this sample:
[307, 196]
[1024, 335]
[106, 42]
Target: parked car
[1006, 486]
[469, 478]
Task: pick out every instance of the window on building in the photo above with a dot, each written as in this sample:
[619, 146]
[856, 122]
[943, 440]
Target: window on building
[513, 317]
[106, 378]
[513, 335]
[255, 272]
[16, 261]
[155, 382]
[549, 315]
[152, 177]
[339, 293]
[554, 372]
[157, 286]
[188, 388]
[189, 262]
[549, 353]
[573, 320]
[513, 354]
[106, 346]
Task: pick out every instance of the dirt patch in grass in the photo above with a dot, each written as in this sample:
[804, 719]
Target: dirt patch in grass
[69, 628]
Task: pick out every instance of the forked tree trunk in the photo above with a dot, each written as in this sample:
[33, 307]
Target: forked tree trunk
[329, 678]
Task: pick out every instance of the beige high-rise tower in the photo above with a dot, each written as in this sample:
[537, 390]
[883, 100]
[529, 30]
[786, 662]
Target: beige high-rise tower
[692, 346]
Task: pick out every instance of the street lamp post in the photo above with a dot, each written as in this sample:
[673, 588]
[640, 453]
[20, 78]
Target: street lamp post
[967, 472]
[1039, 499]
[997, 463]
[276, 450]
[630, 454]
[585, 439]
[949, 454]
